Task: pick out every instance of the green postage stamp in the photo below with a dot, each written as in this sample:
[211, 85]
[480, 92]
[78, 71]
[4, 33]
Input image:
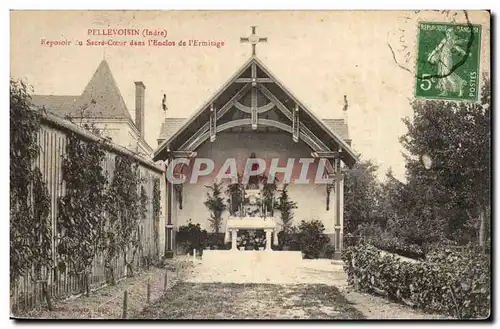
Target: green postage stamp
[448, 61]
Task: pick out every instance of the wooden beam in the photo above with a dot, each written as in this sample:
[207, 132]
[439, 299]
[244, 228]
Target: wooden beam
[295, 124]
[213, 123]
[288, 114]
[254, 109]
[226, 107]
[183, 154]
[248, 122]
[326, 154]
[258, 80]
[205, 128]
[260, 109]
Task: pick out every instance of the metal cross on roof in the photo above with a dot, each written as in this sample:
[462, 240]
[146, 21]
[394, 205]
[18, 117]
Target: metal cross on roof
[253, 39]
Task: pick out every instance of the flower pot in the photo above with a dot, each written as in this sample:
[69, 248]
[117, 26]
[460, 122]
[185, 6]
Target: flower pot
[242, 248]
[261, 248]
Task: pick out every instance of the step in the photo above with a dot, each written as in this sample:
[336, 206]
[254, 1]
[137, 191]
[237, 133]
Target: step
[256, 256]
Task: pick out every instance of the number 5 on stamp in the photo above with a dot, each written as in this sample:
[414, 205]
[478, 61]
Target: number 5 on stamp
[448, 61]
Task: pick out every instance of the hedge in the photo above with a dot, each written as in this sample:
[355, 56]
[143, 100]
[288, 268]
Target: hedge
[448, 282]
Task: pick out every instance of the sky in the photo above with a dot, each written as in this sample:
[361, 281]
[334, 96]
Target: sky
[320, 56]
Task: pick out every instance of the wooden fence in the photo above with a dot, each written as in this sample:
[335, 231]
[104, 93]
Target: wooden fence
[53, 138]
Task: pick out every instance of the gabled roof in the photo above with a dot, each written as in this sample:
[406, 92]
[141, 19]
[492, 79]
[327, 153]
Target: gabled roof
[200, 117]
[170, 126]
[101, 98]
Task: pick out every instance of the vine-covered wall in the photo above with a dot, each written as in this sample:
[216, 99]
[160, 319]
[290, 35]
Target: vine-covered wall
[88, 191]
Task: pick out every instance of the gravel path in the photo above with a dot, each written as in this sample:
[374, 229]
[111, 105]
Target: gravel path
[315, 271]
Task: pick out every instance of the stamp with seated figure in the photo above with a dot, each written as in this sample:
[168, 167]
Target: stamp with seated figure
[448, 61]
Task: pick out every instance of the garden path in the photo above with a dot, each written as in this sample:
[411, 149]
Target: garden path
[305, 271]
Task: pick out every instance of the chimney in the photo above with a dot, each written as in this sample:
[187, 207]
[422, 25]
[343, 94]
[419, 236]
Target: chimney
[140, 90]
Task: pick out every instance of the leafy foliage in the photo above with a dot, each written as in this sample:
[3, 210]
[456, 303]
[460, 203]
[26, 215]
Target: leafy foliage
[446, 195]
[126, 209]
[361, 192]
[236, 193]
[451, 195]
[30, 229]
[191, 237]
[156, 214]
[251, 239]
[268, 190]
[448, 282]
[311, 238]
[216, 206]
[285, 205]
[216, 241]
[81, 227]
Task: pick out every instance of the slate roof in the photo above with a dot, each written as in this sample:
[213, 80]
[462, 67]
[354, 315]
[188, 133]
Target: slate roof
[101, 98]
[338, 126]
[171, 125]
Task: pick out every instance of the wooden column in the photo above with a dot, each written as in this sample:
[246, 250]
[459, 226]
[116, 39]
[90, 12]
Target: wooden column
[338, 227]
[169, 228]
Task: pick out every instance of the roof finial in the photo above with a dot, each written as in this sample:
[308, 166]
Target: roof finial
[164, 104]
[344, 109]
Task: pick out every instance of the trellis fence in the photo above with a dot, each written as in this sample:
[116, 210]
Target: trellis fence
[53, 138]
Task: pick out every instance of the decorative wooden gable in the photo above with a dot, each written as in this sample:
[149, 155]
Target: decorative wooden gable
[254, 100]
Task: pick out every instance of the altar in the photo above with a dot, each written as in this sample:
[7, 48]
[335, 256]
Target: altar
[251, 223]
[252, 216]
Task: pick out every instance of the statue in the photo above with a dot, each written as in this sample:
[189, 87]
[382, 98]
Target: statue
[253, 181]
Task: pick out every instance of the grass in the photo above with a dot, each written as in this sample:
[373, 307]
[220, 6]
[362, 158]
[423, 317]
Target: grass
[251, 301]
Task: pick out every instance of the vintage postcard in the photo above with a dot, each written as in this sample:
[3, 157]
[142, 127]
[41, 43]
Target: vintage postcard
[250, 165]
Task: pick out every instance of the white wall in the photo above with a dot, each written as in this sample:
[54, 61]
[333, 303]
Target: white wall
[311, 198]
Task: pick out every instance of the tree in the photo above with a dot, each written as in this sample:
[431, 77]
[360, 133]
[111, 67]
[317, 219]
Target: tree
[216, 206]
[286, 206]
[448, 165]
[361, 193]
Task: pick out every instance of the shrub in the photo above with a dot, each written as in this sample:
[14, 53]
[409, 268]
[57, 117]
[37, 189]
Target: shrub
[328, 251]
[311, 238]
[289, 241]
[215, 241]
[387, 241]
[191, 237]
[453, 283]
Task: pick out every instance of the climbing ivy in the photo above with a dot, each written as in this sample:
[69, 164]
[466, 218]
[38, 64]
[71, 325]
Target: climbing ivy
[30, 229]
[124, 209]
[156, 214]
[81, 209]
